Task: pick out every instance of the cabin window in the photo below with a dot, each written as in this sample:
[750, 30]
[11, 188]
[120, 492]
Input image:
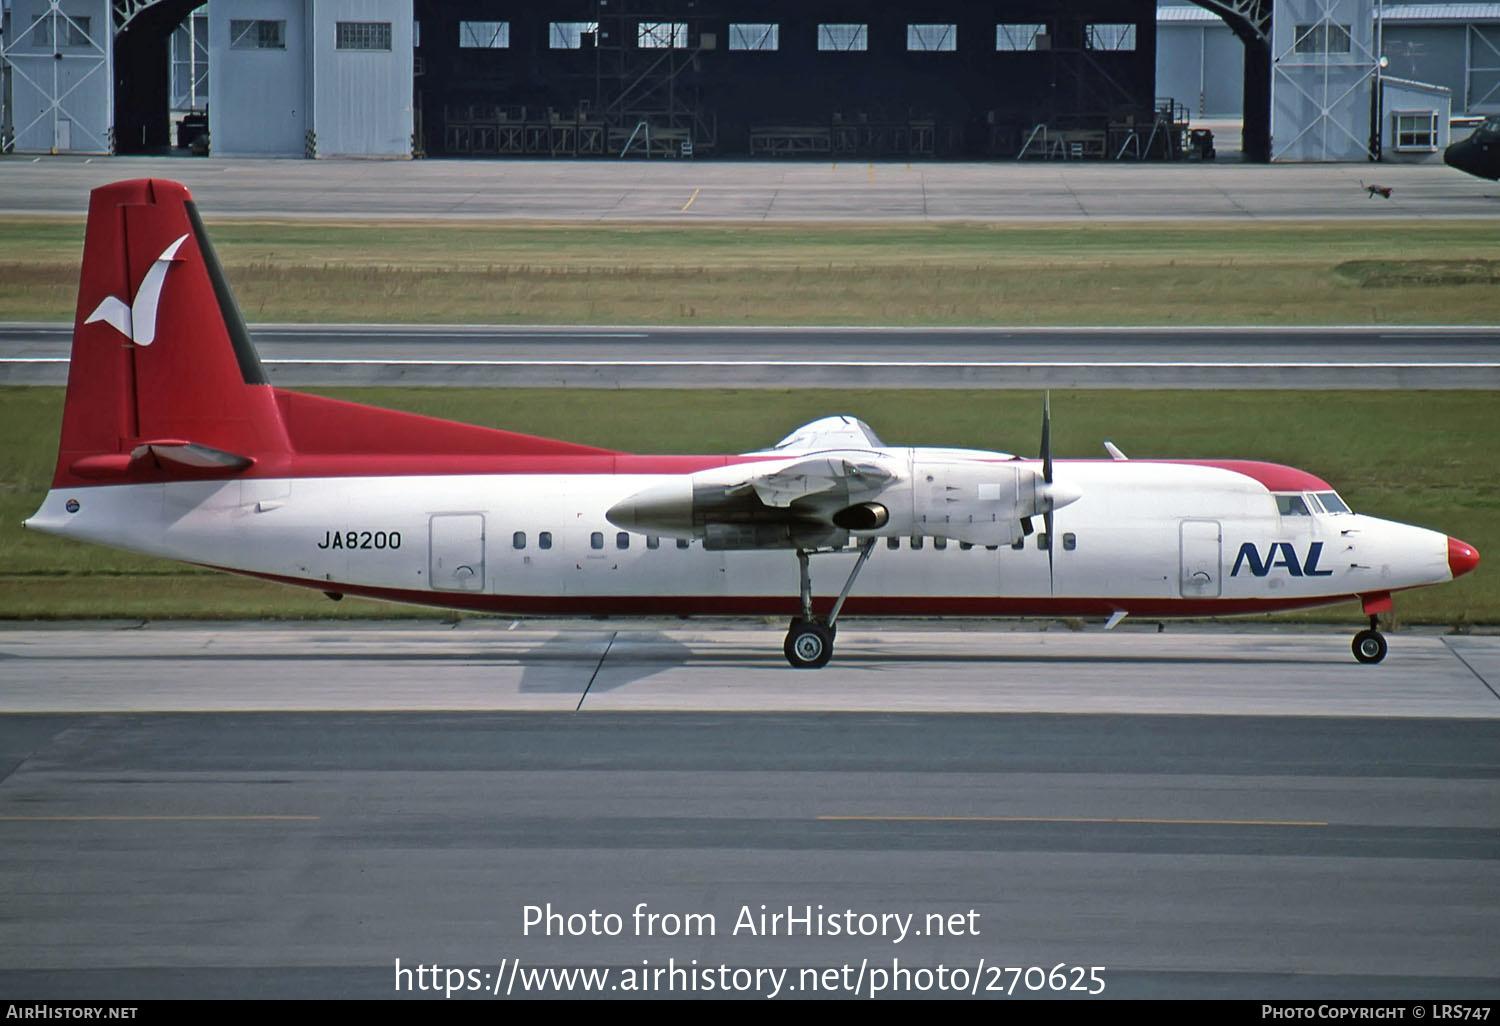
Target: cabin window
[965, 546]
[596, 540]
[622, 540]
[682, 543]
[544, 540]
[518, 540]
[992, 548]
[1292, 506]
[1042, 541]
[940, 543]
[1070, 541]
[1019, 543]
[653, 542]
[1332, 503]
[893, 543]
[916, 543]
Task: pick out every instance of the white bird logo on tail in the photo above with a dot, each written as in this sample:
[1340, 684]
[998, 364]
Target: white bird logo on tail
[137, 322]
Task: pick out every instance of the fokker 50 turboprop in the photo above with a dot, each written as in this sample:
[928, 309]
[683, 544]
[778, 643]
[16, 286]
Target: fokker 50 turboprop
[174, 444]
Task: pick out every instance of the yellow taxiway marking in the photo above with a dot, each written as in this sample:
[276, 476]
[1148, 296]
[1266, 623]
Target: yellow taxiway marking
[690, 200]
[872, 172]
[1072, 819]
[148, 819]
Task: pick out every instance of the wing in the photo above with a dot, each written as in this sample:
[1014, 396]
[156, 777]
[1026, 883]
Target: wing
[823, 483]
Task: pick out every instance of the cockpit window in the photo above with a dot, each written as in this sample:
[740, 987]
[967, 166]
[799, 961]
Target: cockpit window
[1332, 503]
[1292, 506]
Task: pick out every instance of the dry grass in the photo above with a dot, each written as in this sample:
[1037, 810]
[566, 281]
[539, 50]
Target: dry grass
[924, 274]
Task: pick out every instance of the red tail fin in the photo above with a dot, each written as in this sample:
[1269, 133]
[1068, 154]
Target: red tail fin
[165, 383]
[161, 358]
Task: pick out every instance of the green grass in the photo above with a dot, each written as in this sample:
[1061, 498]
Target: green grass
[1419, 457]
[1204, 273]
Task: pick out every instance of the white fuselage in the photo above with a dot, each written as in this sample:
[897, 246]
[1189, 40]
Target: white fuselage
[1147, 538]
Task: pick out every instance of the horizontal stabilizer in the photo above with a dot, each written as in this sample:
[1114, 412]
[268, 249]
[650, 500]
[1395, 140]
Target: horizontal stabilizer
[170, 454]
[191, 454]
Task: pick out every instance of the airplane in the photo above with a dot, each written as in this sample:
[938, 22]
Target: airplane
[175, 444]
[1478, 153]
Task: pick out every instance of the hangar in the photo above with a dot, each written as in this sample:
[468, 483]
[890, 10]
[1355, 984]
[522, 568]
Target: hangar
[825, 79]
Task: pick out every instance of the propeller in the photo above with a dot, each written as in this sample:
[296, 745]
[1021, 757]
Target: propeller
[1047, 479]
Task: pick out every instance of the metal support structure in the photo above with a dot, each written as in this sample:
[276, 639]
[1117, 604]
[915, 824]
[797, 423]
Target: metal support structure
[804, 579]
[61, 73]
[1250, 21]
[655, 85]
[1324, 71]
[1482, 69]
[865, 548]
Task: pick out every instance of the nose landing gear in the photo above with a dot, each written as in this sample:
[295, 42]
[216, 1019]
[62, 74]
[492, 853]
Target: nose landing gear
[1369, 645]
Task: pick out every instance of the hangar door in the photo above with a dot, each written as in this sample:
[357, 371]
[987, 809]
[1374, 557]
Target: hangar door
[456, 551]
[1200, 558]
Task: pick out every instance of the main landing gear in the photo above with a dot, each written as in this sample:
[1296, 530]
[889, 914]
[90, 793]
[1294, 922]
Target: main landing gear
[1369, 645]
[809, 640]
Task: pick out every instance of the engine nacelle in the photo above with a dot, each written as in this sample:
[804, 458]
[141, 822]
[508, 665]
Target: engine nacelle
[979, 502]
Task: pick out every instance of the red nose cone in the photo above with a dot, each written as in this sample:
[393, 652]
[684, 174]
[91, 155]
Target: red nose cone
[1462, 557]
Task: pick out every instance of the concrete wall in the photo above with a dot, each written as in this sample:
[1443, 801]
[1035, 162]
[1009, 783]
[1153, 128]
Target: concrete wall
[260, 95]
[62, 97]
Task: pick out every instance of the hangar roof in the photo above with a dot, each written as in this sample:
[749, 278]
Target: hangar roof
[1194, 15]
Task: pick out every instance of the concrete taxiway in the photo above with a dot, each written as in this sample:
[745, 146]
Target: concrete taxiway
[614, 190]
[521, 356]
[495, 665]
[273, 811]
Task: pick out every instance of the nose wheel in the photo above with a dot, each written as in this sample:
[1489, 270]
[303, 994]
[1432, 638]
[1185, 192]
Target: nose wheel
[1369, 645]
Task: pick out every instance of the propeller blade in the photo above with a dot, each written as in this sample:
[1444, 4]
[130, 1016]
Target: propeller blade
[1027, 526]
[1047, 437]
[1051, 543]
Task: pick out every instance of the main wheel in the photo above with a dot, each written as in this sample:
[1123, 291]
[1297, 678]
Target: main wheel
[1369, 646]
[808, 645]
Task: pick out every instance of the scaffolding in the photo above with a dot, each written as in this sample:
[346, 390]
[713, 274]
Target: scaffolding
[646, 72]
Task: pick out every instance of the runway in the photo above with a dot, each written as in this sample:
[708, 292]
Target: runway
[656, 357]
[273, 810]
[614, 190]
